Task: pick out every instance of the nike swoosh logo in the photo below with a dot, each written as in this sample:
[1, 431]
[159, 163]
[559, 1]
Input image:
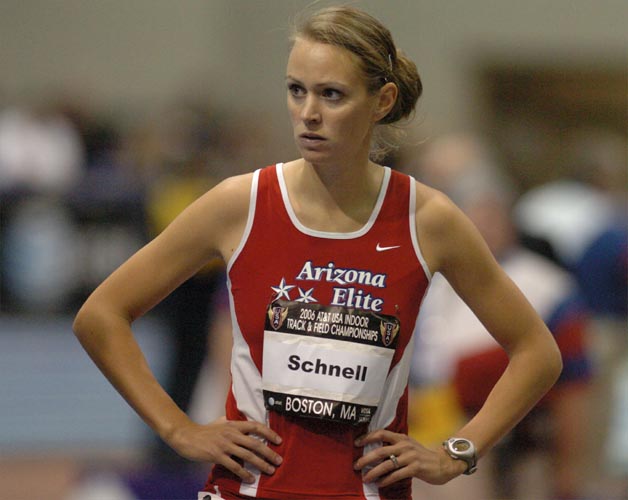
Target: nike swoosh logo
[380, 248]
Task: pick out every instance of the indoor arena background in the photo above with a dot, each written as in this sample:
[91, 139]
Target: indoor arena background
[115, 114]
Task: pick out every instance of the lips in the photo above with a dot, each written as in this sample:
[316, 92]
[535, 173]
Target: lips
[311, 141]
[311, 136]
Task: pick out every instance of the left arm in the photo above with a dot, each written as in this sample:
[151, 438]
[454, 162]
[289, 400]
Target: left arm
[453, 247]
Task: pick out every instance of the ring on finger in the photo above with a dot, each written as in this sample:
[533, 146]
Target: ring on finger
[393, 459]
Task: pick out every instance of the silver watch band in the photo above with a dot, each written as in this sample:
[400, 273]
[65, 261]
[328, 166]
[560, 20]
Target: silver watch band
[462, 449]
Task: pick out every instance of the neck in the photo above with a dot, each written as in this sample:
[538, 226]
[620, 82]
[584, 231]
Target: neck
[348, 172]
[342, 182]
[334, 193]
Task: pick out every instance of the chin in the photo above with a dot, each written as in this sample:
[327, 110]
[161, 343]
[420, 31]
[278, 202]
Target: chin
[316, 157]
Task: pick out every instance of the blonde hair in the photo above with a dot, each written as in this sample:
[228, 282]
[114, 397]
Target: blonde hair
[379, 59]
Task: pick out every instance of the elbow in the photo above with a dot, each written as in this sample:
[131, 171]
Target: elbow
[545, 360]
[558, 363]
[553, 364]
[96, 321]
[80, 326]
[87, 321]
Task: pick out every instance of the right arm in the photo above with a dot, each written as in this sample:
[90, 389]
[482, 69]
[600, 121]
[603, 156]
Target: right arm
[453, 247]
[213, 225]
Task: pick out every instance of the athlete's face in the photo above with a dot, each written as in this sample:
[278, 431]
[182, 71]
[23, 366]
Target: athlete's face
[332, 112]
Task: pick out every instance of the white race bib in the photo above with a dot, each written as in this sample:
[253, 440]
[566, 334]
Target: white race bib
[327, 362]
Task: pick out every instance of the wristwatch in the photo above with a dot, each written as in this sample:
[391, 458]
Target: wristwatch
[462, 449]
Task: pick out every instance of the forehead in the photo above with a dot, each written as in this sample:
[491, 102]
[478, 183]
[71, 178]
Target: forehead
[316, 61]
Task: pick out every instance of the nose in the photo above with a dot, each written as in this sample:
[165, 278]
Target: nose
[310, 112]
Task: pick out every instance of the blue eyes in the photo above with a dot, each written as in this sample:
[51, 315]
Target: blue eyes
[327, 93]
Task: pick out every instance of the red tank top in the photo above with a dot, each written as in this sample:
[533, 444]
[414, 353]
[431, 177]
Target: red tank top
[335, 313]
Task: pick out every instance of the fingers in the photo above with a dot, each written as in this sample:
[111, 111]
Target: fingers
[255, 428]
[389, 475]
[385, 472]
[377, 463]
[246, 443]
[377, 466]
[380, 453]
[256, 452]
[380, 435]
[239, 470]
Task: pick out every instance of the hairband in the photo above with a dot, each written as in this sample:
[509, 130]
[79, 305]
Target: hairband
[390, 69]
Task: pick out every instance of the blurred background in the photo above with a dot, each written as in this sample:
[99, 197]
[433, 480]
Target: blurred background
[114, 115]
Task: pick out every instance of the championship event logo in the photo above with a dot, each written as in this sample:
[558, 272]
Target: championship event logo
[389, 331]
[277, 315]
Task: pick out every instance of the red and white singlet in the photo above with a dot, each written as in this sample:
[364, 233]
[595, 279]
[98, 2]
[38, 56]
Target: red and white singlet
[322, 326]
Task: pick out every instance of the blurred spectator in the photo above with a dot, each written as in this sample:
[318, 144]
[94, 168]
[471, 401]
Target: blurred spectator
[584, 218]
[39, 150]
[79, 196]
[177, 155]
[64, 225]
[39, 256]
[457, 360]
[101, 139]
[41, 160]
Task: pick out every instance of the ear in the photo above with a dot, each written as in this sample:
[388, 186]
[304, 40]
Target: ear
[387, 96]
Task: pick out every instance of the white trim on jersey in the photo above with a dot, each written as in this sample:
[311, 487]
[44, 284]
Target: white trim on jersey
[370, 490]
[413, 233]
[246, 379]
[394, 388]
[331, 235]
[249, 220]
[206, 495]
[250, 489]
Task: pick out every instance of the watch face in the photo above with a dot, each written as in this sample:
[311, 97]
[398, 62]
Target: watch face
[462, 449]
[461, 445]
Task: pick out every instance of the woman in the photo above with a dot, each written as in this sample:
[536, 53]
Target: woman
[328, 259]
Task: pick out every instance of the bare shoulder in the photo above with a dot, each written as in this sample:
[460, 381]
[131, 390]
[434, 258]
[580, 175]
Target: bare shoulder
[442, 228]
[210, 227]
[216, 220]
[434, 210]
[239, 185]
[230, 198]
[223, 205]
